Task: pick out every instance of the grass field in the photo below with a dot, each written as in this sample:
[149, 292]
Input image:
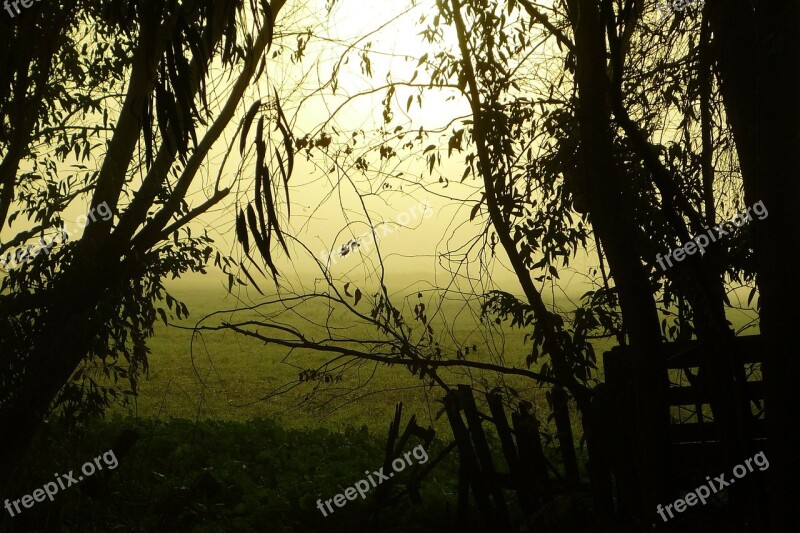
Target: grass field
[225, 376]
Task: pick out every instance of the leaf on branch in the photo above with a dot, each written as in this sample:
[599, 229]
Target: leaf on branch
[270, 20]
[262, 246]
[283, 125]
[272, 215]
[246, 273]
[285, 183]
[750, 296]
[248, 121]
[163, 316]
[475, 210]
[241, 232]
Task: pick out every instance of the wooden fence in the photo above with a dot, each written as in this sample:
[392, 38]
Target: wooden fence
[695, 447]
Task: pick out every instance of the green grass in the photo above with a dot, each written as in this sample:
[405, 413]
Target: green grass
[229, 375]
[226, 376]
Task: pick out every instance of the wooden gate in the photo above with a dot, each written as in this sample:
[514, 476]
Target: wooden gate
[695, 446]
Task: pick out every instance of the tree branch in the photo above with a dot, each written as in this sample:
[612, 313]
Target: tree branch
[381, 358]
[541, 18]
[543, 318]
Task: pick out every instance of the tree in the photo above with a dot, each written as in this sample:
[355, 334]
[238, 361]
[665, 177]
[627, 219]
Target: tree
[756, 51]
[84, 310]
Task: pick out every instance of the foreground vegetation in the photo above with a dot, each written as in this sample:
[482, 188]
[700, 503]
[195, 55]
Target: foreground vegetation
[215, 476]
[211, 476]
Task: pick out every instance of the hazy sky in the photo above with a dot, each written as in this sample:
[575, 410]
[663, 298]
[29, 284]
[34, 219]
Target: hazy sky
[326, 209]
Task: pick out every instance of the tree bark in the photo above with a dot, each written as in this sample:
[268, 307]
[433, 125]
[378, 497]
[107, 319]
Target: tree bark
[609, 220]
[758, 56]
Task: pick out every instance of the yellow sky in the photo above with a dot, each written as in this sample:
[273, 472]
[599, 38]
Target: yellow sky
[326, 209]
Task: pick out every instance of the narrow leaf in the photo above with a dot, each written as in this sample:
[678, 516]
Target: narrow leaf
[241, 232]
[248, 121]
[246, 273]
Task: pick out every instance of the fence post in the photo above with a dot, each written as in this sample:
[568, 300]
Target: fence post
[565, 437]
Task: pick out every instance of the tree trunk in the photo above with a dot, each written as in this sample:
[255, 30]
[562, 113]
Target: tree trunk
[610, 222]
[50, 364]
[758, 52]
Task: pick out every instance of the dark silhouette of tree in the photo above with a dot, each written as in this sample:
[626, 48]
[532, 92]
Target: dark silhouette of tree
[129, 85]
[602, 98]
[756, 50]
